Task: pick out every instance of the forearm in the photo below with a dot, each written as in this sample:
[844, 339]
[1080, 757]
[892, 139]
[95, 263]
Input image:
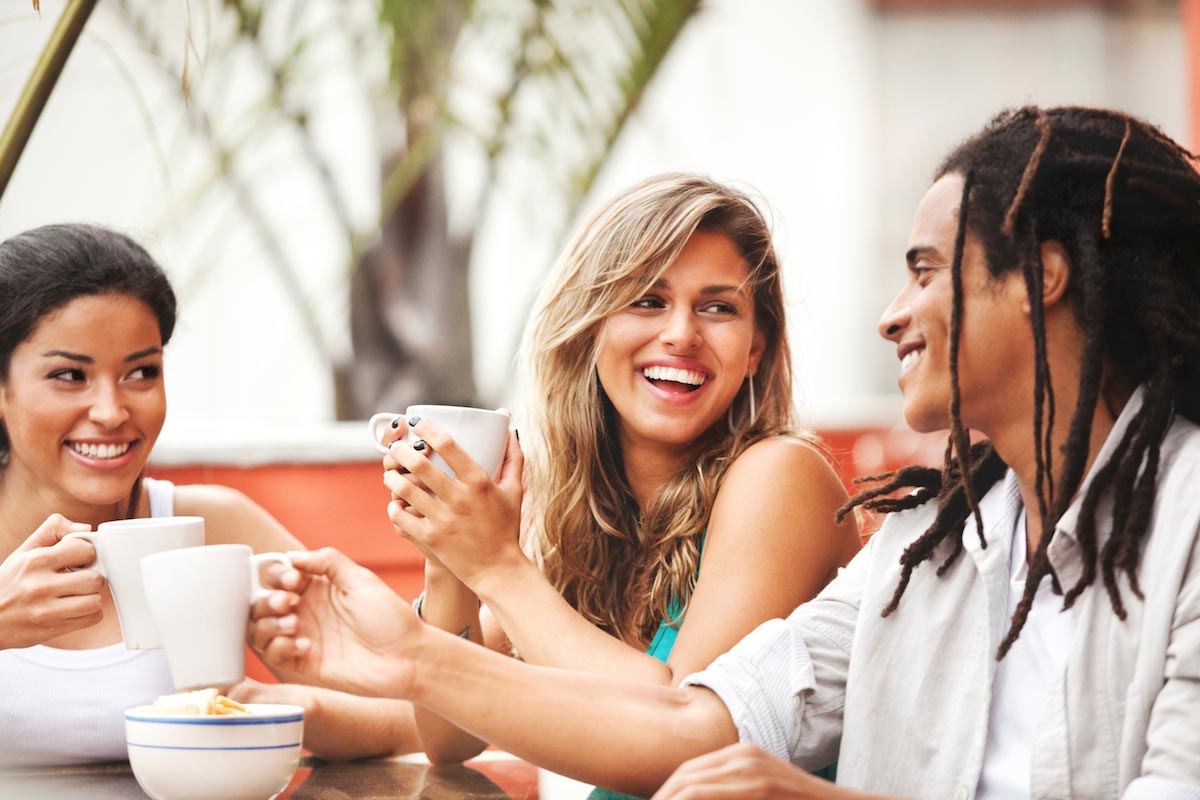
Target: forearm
[545, 630]
[341, 726]
[622, 733]
[449, 606]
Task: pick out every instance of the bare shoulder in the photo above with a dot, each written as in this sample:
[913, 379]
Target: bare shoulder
[202, 499]
[783, 492]
[784, 465]
[233, 518]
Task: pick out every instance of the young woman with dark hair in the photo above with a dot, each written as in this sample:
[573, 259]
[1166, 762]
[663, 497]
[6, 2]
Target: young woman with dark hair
[85, 313]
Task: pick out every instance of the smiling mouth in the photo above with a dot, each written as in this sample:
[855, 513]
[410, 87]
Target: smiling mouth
[675, 380]
[100, 451]
[910, 359]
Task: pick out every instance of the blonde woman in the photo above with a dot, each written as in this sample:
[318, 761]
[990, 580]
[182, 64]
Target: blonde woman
[672, 503]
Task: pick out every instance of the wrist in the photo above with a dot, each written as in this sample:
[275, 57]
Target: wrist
[418, 660]
[490, 583]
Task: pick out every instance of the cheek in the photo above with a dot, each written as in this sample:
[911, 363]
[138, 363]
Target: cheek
[153, 413]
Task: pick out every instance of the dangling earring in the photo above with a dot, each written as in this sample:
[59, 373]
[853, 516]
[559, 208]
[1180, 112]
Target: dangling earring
[734, 429]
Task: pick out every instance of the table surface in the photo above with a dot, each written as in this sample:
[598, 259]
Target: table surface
[493, 776]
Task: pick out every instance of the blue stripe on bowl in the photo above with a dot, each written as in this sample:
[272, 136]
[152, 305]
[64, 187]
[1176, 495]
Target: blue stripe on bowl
[174, 747]
[219, 720]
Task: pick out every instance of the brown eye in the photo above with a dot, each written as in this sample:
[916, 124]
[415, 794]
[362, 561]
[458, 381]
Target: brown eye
[648, 303]
[68, 375]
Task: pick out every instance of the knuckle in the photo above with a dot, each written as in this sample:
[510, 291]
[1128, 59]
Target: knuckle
[436, 438]
[91, 581]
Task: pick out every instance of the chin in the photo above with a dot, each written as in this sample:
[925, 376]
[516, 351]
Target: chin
[98, 494]
[924, 419]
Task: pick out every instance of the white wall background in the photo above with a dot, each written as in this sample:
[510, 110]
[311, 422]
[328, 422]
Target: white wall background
[835, 112]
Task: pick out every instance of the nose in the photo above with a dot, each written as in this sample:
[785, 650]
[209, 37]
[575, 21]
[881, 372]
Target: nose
[895, 317]
[108, 407]
[680, 331]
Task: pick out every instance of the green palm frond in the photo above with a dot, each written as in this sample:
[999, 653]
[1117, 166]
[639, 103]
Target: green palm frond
[553, 81]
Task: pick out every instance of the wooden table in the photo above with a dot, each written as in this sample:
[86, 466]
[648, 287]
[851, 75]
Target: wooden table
[494, 776]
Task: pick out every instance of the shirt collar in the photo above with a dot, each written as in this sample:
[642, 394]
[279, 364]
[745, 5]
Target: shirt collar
[1070, 518]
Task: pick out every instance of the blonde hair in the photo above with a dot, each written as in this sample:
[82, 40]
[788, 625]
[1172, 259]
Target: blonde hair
[619, 566]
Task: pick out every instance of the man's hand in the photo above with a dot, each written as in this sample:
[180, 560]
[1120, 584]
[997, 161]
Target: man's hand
[340, 626]
[742, 771]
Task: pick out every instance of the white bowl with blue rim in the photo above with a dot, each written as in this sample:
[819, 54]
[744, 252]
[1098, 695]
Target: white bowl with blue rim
[225, 757]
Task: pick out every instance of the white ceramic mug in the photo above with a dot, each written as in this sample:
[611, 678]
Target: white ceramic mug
[120, 547]
[200, 598]
[483, 434]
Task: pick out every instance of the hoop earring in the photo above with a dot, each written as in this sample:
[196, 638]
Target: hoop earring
[735, 429]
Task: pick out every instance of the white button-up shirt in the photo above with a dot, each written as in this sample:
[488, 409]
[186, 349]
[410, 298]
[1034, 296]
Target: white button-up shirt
[902, 702]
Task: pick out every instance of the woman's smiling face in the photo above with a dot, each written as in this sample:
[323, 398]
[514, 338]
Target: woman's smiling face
[83, 401]
[673, 361]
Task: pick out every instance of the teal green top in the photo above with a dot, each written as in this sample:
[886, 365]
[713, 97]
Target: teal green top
[660, 648]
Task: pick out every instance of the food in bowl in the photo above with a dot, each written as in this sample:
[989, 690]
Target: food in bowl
[180, 754]
[202, 702]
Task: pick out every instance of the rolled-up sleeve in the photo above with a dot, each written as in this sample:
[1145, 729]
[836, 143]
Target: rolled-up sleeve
[757, 682]
[785, 683]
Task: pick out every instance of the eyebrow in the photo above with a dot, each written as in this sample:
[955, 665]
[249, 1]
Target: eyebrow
[149, 351]
[916, 252]
[721, 288]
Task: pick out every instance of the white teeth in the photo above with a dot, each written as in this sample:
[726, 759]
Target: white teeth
[100, 450]
[688, 376]
[910, 358]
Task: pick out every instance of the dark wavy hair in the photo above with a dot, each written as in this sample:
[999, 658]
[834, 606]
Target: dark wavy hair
[1124, 200]
[44, 269]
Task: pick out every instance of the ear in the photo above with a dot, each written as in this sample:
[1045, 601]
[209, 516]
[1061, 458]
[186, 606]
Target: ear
[1056, 273]
[757, 347]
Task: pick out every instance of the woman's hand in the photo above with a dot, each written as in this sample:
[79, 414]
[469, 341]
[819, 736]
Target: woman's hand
[469, 523]
[39, 597]
[336, 624]
[393, 467]
[742, 771]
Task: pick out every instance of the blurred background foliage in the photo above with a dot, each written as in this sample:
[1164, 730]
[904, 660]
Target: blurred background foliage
[546, 84]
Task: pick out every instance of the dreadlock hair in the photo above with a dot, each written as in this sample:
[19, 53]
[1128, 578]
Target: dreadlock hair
[1124, 200]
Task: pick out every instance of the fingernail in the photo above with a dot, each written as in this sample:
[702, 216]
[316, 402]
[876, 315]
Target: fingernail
[287, 624]
[412, 421]
[278, 601]
[517, 431]
[396, 422]
[302, 643]
[419, 445]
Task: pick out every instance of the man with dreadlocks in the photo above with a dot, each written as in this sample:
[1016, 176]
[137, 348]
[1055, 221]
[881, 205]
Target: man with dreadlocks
[1027, 621]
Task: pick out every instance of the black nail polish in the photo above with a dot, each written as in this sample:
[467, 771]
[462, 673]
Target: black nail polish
[419, 445]
[412, 421]
[396, 422]
[517, 431]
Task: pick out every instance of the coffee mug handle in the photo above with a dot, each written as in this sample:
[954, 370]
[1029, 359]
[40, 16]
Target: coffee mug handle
[90, 537]
[257, 590]
[377, 435]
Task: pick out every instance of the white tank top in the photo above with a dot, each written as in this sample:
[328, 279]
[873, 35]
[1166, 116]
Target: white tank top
[67, 706]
